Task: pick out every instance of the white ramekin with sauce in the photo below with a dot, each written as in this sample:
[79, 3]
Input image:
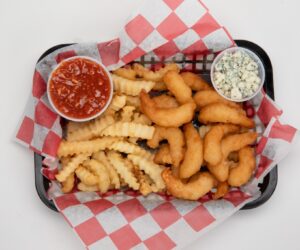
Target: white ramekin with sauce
[237, 74]
[80, 88]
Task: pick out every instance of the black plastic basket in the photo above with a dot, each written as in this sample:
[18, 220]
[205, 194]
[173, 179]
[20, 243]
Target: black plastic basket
[269, 183]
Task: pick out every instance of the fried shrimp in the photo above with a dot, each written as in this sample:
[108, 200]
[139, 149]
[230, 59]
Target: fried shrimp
[206, 97]
[159, 86]
[127, 73]
[171, 117]
[155, 76]
[220, 112]
[177, 87]
[212, 142]
[175, 138]
[165, 101]
[237, 141]
[242, 172]
[198, 185]
[195, 82]
[221, 170]
[230, 144]
[193, 157]
[222, 190]
[163, 155]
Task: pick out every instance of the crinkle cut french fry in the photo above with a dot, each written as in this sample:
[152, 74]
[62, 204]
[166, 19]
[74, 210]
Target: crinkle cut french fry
[150, 182]
[100, 170]
[133, 140]
[64, 161]
[145, 188]
[129, 129]
[133, 168]
[85, 176]
[85, 188]
[146, 184]
[118, 102]
[113, 175]
[109, 111]
[68, 184]
[73, 126]
[141, 119]
[129, 148]
[127, 113]
[93, 129]
[133, 101]
[131, 87]
[123, 184]
[150, 168]
[69, 148]
[119, 164]
[71, 167]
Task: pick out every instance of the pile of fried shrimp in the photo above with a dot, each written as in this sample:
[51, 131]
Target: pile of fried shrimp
[146, 139]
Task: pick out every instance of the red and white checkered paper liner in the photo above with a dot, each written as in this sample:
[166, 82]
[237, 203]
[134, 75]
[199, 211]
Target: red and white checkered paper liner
[164, 28]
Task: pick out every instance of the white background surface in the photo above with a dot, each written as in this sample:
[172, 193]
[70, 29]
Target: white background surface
[28, 28]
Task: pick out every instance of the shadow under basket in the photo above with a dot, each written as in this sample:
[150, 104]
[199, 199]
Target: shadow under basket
[200, 65]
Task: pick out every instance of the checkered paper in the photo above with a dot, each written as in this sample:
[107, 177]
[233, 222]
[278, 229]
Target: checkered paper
[127, 220]
[164, 27]
[165, 30]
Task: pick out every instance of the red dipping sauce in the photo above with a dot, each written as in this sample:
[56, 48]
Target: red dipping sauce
[79, 88]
